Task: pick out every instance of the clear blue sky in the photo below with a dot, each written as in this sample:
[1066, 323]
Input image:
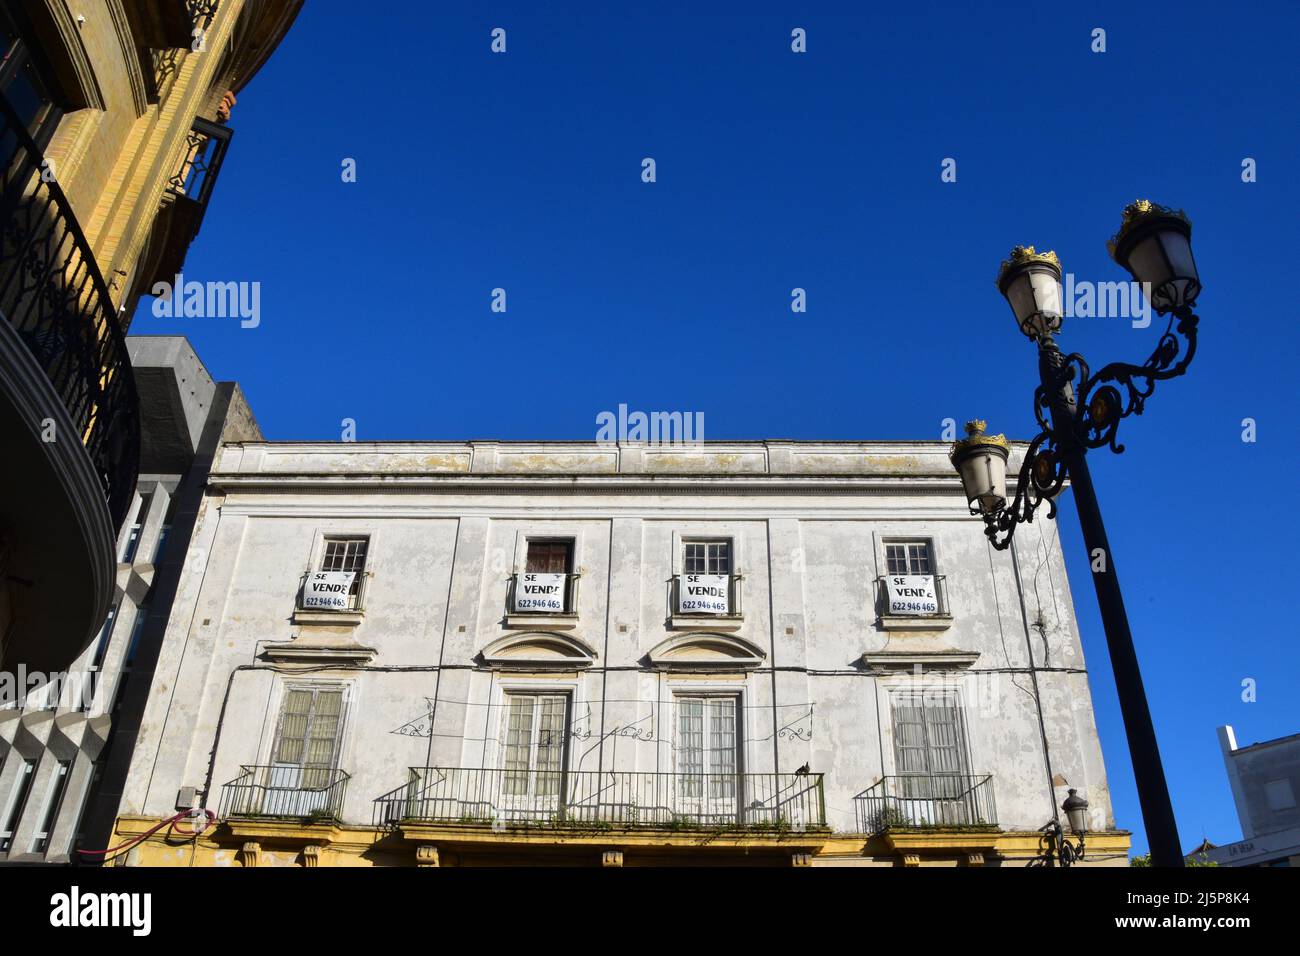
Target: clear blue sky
[821, 171]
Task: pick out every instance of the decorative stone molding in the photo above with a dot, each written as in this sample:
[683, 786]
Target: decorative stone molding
[538, 651]
[801, 859]
[250, 854]
[974, 859]
[311, 856]
[543, 622]
[705, 652]
[911, 859]
[304, 650]
[611, 858]
[427, 855]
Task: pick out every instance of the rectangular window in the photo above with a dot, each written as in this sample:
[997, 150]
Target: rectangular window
[707, 557]
[18, 795]
[909, 557]
[930, 745]
[307, 741]
[549, 557]
[536, 733]
[54, 800]
[347, 554]
[707, 746]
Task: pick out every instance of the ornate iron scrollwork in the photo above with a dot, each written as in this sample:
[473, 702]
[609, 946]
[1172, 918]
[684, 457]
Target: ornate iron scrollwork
[1117, 391]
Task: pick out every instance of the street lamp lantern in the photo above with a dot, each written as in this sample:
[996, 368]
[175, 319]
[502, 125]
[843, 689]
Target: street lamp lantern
[1154, 244]
[1031, 282]
[1078, 410]
[1076, 812]
[981, 461]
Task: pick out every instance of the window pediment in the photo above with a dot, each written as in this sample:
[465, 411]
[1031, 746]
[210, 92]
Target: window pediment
[706, 651]
[540, 650]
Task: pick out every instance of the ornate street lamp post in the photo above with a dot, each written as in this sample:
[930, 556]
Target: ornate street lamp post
[1154, 245]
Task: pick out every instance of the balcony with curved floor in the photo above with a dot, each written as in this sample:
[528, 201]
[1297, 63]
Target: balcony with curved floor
[69, 417]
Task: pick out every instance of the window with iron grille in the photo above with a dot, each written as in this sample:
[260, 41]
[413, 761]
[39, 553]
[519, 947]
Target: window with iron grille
[549, 557]
[930, 743]
[707, 557]
[536, 735]
[347, 554]
[307, 741]
[707, 746]
[909, 557]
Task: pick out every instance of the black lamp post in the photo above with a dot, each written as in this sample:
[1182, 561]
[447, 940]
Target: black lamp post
[1154, 245]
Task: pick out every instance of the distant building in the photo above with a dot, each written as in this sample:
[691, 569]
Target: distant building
[1265, 781]
[751, 653]
[64, 748]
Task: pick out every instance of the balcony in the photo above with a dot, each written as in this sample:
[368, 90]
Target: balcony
[774, 802]
[542, 601]
[913, 602]
[705, 601]
[285, 792]
[319, 599]
[186, 199]
[936, 801]
[68, 411]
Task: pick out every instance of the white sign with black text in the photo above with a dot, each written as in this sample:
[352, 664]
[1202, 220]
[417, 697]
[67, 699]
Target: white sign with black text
[704, 594]
[540, 592]
[912, 594]
[327, 590]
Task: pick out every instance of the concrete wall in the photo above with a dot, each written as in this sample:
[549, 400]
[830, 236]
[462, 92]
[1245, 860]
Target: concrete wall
[447, 524]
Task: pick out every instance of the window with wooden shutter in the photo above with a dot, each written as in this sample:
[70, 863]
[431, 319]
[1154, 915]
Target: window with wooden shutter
[549, 557]
[536, 733]
[311, 720]
[930, 744]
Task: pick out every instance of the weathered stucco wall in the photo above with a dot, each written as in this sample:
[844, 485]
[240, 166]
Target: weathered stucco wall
[447, 525]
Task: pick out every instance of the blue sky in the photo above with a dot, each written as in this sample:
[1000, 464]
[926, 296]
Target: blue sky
[820, 171]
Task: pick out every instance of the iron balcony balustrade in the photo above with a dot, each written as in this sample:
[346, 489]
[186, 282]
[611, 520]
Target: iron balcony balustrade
[568, 599]
[937, 800]
[285, 791]
[188, 194]
[917, 606]
[734, 609]
[606, 798]
[356, 598]
[53, 295]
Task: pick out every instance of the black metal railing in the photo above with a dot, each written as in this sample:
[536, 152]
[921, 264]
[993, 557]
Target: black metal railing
[285, 791]
[53, 295]
[912, 605]
[733, 598]
[927, 800]
[757, 801]
[205, 151]
[567, 601]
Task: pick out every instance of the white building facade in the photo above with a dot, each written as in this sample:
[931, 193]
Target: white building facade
[737, 652]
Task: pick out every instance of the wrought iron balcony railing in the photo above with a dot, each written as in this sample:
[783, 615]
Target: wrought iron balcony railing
[757, 801]
[675, 595]
[927, 800]
[355, 599]
[912, 605]
[54, 297]
[519, 601]
[285, 791]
